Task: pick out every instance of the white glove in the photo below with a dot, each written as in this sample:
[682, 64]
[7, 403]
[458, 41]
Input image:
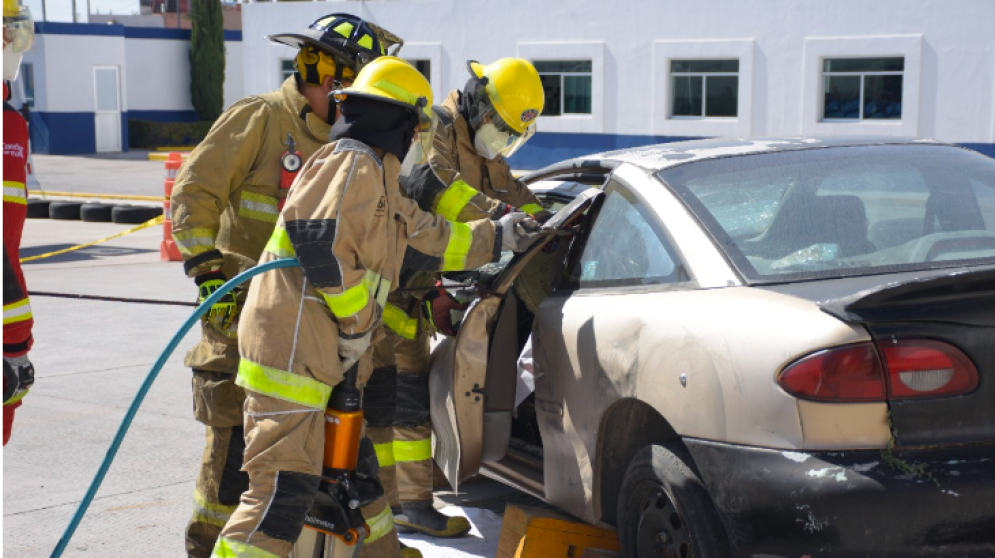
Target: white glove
[518, 231]
[351, 350]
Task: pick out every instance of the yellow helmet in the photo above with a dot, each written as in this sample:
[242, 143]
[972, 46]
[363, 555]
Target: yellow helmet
[19, 35]
[514, 89]
[393, 80]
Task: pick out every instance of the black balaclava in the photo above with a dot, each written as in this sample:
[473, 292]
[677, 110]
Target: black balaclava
[467, 100]
[377, 124]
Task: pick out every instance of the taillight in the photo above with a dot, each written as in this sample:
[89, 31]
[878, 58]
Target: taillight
[841, 374]
[912, 368]
[926, 368]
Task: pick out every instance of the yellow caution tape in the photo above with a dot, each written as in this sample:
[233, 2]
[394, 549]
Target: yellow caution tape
[145, 225]
[44, 193]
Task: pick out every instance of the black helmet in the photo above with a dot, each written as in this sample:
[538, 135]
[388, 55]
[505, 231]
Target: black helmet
[350, 41]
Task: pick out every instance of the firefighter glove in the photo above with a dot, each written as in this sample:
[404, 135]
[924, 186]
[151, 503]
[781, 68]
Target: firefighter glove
[440, 306]
[18, 376]
[222, 314]
[518, 231]
[351, 350]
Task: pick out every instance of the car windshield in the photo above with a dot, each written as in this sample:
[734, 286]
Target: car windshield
[844, 211]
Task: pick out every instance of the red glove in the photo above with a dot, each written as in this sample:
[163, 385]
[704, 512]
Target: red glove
[439, 307]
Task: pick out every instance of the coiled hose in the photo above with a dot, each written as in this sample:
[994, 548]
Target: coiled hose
[142, 391]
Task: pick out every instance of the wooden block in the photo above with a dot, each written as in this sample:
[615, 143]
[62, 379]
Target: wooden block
[538, 533]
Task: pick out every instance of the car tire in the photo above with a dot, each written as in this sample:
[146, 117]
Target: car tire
[96, 212]
[38, 209]
[664, 509]
[134, 215]
[64, 210]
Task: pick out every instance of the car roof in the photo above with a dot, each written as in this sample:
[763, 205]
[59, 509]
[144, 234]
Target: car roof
[665, 155]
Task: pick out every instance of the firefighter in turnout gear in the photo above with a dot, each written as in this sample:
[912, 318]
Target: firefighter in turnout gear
[349, 227]
[467, 178]
[18, 373]
[224, 205]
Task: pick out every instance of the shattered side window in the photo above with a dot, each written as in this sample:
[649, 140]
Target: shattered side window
[625, 247]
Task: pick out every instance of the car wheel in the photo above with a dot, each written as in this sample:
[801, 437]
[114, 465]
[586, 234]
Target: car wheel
[38, 209]
[96, 212]
[134, 215]
[665, 511]
[64, 210]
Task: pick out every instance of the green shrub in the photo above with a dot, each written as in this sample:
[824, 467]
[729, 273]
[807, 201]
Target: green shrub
[207, 59]
[145, 134]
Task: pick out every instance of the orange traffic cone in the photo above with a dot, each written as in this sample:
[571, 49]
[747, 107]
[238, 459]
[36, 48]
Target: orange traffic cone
[168, 252]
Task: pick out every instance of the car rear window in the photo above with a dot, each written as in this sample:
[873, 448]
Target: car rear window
[844, 211]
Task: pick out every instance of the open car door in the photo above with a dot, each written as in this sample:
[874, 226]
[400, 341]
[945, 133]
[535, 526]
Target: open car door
[471, 412]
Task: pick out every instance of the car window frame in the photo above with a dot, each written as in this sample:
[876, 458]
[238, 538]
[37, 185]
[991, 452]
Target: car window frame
[565, 286]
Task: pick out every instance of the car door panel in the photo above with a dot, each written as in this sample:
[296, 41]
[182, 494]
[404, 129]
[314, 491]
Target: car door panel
[467, 408]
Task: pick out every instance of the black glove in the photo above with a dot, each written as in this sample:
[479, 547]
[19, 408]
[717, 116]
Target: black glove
[222, 314]
[422, 185]
[18, 376]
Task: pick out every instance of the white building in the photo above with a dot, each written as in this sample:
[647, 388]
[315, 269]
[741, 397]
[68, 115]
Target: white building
[618, 74]
[84, 81]
[646, 71]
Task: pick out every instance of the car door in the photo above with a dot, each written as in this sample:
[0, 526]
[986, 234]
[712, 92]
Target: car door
[471, 416]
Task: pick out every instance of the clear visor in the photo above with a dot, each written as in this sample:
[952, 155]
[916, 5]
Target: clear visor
[491, 129]
[421, 143]
[19, 31]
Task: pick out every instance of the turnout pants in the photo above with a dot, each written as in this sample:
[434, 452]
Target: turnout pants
[396, 407]
[217, 403]
[283, 458]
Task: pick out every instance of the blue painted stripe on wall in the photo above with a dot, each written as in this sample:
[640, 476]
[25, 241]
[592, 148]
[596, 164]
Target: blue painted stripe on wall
[164, 115]
[64, 133]
[547, 148]
[58, 28]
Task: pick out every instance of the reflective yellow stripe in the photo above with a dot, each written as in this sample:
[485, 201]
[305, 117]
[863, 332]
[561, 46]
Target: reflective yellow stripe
[418, 450]
[455, 198]
[531, 208]
[280, 245]
[344, 29]
[228, 548]
[284, 385]
[19, 311]
[399, 322]
[347, 303]
[460, 238]
[356, 298]
[209, 512]
[385, 454]
[366, 42]
[380, 524]
[258, 206]
[17, 397]
[194, 241]
[15, 192]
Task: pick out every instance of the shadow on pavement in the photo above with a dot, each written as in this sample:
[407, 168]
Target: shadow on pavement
[83, 254]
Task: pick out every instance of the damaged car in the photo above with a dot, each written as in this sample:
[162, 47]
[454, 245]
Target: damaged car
[777, 347]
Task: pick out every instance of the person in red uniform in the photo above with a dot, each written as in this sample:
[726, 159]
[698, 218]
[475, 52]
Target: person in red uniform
[18, 373]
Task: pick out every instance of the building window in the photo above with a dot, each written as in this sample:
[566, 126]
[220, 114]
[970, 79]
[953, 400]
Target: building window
[704, 88]
[28, 78]
[567, 85]
[286, 69]
[423, 66]
[862, 88]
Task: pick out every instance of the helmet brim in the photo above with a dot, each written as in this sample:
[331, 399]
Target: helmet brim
[296, 40]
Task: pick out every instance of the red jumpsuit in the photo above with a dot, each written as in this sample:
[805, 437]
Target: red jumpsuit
[17, 320]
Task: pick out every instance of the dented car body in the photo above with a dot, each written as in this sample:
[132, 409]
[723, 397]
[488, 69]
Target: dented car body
[745, 347]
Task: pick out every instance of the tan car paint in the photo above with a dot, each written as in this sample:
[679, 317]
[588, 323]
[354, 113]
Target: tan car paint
[599, 346]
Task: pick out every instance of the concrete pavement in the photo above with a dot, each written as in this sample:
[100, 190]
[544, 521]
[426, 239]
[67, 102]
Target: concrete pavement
[91, 357]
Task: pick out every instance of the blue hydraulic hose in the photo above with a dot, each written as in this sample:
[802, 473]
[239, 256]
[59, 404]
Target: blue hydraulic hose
[142, 391]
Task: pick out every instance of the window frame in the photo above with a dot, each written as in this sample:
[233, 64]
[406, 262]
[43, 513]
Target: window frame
[862, 75]
[817, 49]
[664, 52]
[580, 50]
[283, 70]
[431, 51]
[704, 87]
[563, 86]
[642, 205]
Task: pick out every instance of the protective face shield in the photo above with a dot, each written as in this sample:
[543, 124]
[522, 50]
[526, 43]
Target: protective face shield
[421, 143]
[18, 36]
[492, 135]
